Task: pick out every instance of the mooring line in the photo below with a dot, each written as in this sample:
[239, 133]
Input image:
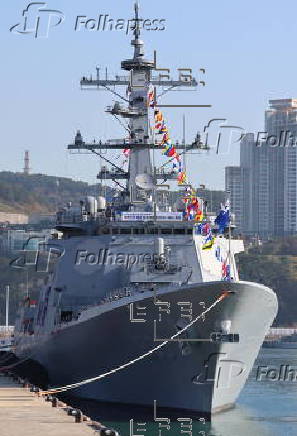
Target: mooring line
[223, 295]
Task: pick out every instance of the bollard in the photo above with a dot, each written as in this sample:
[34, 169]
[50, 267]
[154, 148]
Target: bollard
[55, 402]
[34, 389]
[76, 413]
[108, 432]
[97, 425]
[70, 411]
[78, 416]
[26, 384]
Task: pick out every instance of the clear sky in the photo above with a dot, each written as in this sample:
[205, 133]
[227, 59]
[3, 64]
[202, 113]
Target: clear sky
[247, 47]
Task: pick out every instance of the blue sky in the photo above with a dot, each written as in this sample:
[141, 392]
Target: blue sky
[248, 49]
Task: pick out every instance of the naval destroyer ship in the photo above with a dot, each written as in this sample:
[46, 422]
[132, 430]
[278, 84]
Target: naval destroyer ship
[144, 269]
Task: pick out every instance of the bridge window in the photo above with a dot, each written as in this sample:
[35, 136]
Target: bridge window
[153, 231]
[166, 231]
[125, 231]
[138, 231]
[66, 316]
[180, 231]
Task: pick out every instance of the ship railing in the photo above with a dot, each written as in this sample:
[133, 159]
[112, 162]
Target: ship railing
[80, 218]
[117, 294]
[118, 141]
[114, 295]
[69, 218]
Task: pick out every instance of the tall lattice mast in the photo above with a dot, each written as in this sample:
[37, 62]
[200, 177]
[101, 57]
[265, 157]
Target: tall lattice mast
[140, 179]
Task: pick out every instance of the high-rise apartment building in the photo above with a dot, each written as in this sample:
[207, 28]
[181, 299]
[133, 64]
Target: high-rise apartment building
[233, 184]
[268, 178]
[281, 128]
[255, 186]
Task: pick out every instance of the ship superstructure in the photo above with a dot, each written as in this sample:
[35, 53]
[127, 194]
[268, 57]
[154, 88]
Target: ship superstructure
[134, 271]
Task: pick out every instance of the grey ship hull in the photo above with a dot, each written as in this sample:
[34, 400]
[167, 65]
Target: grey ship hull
[200, 377]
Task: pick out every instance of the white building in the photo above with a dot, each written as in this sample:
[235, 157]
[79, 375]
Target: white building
[268, 174]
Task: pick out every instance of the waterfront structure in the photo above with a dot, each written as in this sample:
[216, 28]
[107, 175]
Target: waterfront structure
[13, 218]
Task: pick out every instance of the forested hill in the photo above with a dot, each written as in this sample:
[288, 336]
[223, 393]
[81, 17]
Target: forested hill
[21, 193]
[274, 264]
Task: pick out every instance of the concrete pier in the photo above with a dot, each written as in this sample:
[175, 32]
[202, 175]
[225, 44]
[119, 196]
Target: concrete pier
[24, 413]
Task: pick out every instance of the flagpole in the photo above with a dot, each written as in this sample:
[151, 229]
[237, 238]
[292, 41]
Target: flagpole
[229, 235]
[7, 307]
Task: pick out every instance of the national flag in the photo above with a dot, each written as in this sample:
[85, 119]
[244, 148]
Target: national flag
[208, 243]
[158, 116]
[171, 152]
[223, 219]
[126, 152]
[199, 215]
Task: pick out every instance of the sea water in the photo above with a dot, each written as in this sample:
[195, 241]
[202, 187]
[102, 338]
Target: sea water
[267, 406]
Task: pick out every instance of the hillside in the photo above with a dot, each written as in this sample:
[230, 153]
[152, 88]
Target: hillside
[274, 264]
[21, 193]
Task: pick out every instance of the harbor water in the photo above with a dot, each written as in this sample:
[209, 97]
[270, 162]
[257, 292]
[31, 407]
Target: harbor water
[267, 406]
